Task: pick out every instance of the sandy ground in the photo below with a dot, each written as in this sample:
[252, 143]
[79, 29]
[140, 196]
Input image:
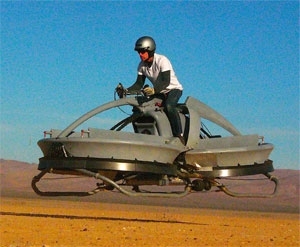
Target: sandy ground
[112, 219]
[43, 222]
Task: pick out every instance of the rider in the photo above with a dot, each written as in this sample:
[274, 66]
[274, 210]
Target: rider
[158, 69]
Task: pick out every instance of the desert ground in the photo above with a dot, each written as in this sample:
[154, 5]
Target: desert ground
[113, 219]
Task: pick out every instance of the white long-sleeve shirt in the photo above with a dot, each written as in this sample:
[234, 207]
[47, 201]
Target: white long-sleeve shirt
[153, 73]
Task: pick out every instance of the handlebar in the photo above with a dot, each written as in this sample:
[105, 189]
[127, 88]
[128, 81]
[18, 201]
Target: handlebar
[122, 93]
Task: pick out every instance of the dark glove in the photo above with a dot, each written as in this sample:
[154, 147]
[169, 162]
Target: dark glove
[121, 91]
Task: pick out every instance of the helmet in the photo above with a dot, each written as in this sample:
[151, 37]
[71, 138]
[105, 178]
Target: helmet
[145, 43]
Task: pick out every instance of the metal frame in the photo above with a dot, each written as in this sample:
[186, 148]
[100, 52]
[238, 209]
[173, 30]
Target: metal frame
[89, 167]
[94, 152]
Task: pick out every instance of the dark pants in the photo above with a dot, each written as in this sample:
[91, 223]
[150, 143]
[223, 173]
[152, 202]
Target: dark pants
[170, 108]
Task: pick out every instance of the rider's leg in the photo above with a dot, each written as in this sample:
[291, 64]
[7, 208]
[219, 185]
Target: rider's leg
[172, 113]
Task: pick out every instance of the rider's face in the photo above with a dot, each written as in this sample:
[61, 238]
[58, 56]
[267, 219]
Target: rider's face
[144, 55]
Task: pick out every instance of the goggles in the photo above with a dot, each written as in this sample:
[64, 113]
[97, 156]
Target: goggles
[142, 51]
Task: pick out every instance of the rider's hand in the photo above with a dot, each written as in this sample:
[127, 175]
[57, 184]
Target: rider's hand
[148, 91]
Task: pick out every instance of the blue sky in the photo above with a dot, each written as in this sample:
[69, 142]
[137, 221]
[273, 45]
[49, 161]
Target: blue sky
[60, 59]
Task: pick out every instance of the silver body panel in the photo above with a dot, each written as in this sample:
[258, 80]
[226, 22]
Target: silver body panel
[160, 146]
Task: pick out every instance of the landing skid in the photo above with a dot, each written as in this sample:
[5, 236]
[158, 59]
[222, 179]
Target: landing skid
[85, 172]
[223, 188]
[204, 183]
[37, 178]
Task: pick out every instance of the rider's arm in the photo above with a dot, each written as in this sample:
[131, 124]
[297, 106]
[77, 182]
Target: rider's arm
[137, 86]
[165, 81]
